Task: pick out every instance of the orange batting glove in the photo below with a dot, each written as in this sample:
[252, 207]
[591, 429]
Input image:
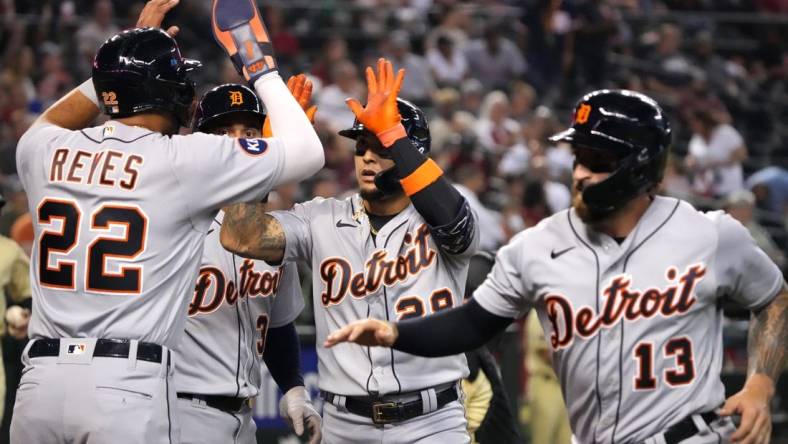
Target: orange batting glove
[301, 88]
[381, 115]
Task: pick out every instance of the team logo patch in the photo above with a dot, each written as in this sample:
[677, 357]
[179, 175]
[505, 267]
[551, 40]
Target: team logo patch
[236, 98]
[254, 147]
[76, 349]
[583, 113]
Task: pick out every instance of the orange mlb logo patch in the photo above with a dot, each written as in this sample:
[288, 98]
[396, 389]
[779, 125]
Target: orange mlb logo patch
[583, 112]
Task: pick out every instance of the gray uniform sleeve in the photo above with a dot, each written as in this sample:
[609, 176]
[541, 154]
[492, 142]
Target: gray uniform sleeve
[296, 224]
[33, 142]
[288, 302]
[505, 292]
[744, 272]
[215, 171]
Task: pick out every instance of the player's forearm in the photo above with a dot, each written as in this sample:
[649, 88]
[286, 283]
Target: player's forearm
[437, 335]
[768, 339]
[303, 151]
[282, 356]
[433, 196]
[249, 232]
[76, 110]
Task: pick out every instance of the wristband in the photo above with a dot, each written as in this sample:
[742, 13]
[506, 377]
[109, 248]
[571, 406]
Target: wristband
[421, 178]
[88, 90]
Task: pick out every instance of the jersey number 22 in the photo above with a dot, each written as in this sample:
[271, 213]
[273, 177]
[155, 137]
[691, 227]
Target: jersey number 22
[63, 273]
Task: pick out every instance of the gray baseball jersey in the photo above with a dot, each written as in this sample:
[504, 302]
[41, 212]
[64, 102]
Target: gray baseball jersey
[120, 214]
[235, 302]
[399, 273]
[636, 327]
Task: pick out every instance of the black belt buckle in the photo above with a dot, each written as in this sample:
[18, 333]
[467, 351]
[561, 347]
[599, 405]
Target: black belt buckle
[385, 412]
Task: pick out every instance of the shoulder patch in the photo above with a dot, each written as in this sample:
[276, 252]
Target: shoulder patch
[255, 147]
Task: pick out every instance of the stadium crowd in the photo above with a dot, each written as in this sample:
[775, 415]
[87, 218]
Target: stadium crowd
[496, 78]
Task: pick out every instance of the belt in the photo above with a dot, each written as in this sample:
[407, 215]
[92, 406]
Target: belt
[229, 404]
[105, 348]
[382, 411]
[686, 428]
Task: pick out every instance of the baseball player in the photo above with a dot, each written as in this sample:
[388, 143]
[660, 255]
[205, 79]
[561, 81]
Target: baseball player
[627, 286]
[398, 249]
[14, 284]
[121, 212]
[242, 310]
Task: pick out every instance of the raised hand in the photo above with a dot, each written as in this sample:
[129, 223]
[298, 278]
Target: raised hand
[381, 115]
[153, 14]
[366, 332]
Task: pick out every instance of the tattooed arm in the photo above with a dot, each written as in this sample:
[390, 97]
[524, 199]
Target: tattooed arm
[249, 232]
[767, 349]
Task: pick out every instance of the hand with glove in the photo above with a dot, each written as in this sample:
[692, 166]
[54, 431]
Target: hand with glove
[381, 115]
[240, 31]
[301, 88]
[17, 319]
[295, 407]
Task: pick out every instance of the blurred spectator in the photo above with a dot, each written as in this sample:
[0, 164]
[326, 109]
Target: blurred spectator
[594, 27]
[22, 232]
[471, 183]
[447, 63]
[16, 203]
[331, 99]
[549, 419]
[671, 67]
[741, 205]
[442, 125]
[334, 51]
[495, 129]
[471, 95]
[286, 44]
[493, 59]
[325, 185]
[418, 84]
[715, 155]
[91, 35]
[549, 46]
[454, 24]
[523, 100]
[770, 186]
[17, 77]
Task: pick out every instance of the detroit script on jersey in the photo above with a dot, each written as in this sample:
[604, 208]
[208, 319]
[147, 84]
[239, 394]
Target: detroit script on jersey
[399, 273]
[635, 328]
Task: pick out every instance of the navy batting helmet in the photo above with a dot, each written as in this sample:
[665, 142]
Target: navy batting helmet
[142, 70]
[418, 132]
[633, 128]
[224, 100]
[412, 119]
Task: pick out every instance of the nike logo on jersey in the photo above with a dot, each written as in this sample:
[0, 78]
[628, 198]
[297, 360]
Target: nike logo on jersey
[621, 301]
[341, 224]
[210, 231]
[555, 254]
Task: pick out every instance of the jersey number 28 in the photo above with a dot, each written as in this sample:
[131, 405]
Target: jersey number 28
[61, 273]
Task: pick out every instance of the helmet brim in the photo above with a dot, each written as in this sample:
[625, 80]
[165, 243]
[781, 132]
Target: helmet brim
[352, 133]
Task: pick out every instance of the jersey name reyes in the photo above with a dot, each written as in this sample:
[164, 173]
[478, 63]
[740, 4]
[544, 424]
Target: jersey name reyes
[622, 301]
[339, 278]
[107, 168]
[214, 288]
